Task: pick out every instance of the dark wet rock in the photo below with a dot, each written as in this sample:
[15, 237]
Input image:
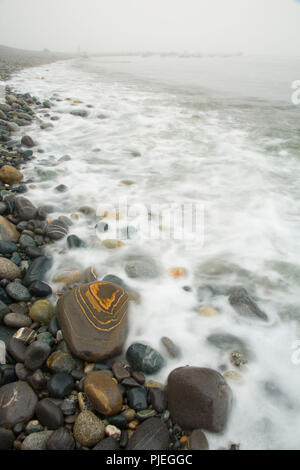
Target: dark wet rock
[37, 380]
[49, 414]
[197, 441]
[24, 208]
[36, 441]
[152, 434]
[21, 372]
[109, 443]
[130, 382]
[53, 326]
[61, 439]
[7, 374]
[60, 385]
[7, 248]
[26, 241]
[37, 269]
[61, 188]
[137, 398]
[88, 429]
[141, 268]
[93, 319]
[244, 305]
[7, 438]
[75, 242]
[42, 311]
[138, 376]
[144, 358]
[61, 361]
[56, 230]
[17, 349]
[170, 346]
[27, 141]
[40, 289]
[79, 112]
[17, 403]
[103, 393]
[227, 342]
[18, 292]
[16, 320]
[119, 421]
[36, 354]
[199, 398]
[158, 399]
[120, 371]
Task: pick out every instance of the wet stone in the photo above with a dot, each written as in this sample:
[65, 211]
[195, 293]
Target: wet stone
[36, 354]
[152, 435]
[56, 230]
[144, 358]
[42, 311]
[61, 361]
[18, 292]
[36, 441]
[244, 305]
[88, 429]
[24, 208]
[8, 269]
[103, 393]
[37, 380]
[17, 320]
[158, 399]
[17, 349]
[60, 385]
[22, 402]
[170, 346]
[49, 414]
[137, 398]
[61, 439]
[109, 443]
[120, 371]
[37, 269]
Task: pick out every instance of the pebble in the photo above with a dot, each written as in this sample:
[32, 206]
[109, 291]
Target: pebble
[56, 230]
[10, 175]
[208, 311]
[37, 380]
[18, 292]
[27, 141]
[103, 393]
[49, 414]
[61, 361]
[120, 371]
[158, 399]
[42, 311]
[60, 385]
[8, 231]
[36, 441]
[24, 208]
[88, 429]
[244, 305]
[137, 398]
[8, 269]
[17, 403]
[144, 358]
[170, 346]
[17, 320]
[36, 354]
[40, 289]
[17, 349]
[61, 439]
[152, 435]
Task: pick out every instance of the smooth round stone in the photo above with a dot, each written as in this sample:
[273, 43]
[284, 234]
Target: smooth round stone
[152, 434]
[109, 443]
[18, 292]
[93, 319]
[8, 231]
[79, 112]
[137, 398]
[170, 346]
[33, 426]
[8, 269]
[17, 320]
[120, 371]
[244, 305]
[36, 354]
[49, 414]
[36, 441]
[144, 358]
[88, 429]
[158, 399]
[197, 441]
[27, 141]
[142, 268]
[112, 244]
[60, 385]
[138, 377]
[40, 289]
[103, 393]
[228, 342]
[191, 389]
[46, 337]
[119, 421]
[10, 175]
[37, 269]
[61, 439]
[17, 404]
[75, 242]
[61, 361]
[7, 248]
[7, 438]
[24, 208]
[26, 241]
[56, 230]
[42, 311]
[17, 349]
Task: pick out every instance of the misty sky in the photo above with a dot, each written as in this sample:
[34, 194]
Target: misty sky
[250, 26]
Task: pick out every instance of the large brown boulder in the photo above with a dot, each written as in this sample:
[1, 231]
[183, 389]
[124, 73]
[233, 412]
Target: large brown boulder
[93, 319]
[199, 398]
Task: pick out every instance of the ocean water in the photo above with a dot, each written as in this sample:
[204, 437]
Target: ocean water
[217, 134]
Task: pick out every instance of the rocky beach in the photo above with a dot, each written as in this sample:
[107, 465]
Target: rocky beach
[110, 340]
[66, 382]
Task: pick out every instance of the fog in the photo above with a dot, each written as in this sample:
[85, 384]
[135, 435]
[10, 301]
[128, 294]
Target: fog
[218, 26]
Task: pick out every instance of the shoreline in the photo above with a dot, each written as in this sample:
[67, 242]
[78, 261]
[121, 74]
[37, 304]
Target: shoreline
[62, 410]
